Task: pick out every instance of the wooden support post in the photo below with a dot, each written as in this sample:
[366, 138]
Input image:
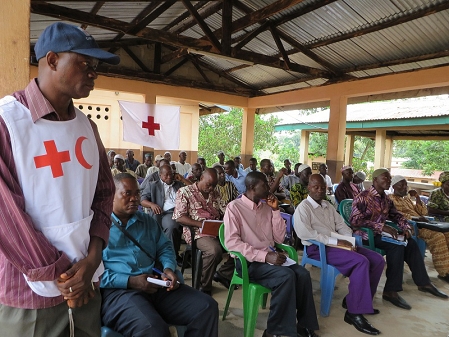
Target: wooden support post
[336, 136]
[247, 145]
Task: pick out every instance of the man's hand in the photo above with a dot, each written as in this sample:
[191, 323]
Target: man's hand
[273, 202]
[155, 208]
[413, 193]
[140, 283]
[82, 300]
[78, 279]
[275, 258]
[178, 177]
[345, 243]
[390, 230]
[170, 275]
[281, 172]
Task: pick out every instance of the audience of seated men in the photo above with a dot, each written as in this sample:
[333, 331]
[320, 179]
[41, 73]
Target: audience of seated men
[323, 169]
[111, 154]
[195, 174]
[194, 204]
[119, 166]
[235, 175]
[221, 158]
[225, 189]
[438, 203]
[142, 169]
[359, 178]
[182, 167]
[346, 189]
[159, 198]
[252, 227]
[130, 162]
[153, 176]
[299, 191]
[437, 243]
[267, 168]
[316, 219]
[371, 208]
[133, 306]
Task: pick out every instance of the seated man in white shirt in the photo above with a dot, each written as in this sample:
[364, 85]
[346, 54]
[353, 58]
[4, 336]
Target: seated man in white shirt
[181, 166]
[323, 171]
[316, 219]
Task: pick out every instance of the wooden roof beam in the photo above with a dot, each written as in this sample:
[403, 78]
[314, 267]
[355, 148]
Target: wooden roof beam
[280, 46]
[184, 16]
[94, 10]
[205, 12]
[136, 59]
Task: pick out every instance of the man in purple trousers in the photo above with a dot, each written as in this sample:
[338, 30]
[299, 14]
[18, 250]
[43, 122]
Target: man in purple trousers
[315, 219]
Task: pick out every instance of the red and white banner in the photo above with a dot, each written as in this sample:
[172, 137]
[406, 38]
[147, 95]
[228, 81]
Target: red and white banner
[152, 125]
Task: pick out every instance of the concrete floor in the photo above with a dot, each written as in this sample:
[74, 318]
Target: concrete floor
[429, 315]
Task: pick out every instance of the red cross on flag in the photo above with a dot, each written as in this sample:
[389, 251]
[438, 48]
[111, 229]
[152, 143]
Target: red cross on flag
[152, 125]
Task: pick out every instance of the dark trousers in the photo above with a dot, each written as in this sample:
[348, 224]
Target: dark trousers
[171, 228]
[136, 314]
[396, 255]
[364, 269]
[291, 301]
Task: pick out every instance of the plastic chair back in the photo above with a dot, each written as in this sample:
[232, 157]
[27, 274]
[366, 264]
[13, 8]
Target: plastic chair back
[327, 279]
[289, 226]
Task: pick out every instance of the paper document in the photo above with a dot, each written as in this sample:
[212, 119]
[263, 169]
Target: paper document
[161, 283]
[343, 237]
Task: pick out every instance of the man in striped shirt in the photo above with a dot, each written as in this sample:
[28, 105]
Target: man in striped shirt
[226, 189]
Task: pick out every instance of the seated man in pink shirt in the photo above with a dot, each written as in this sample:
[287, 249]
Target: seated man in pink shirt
[251, 228]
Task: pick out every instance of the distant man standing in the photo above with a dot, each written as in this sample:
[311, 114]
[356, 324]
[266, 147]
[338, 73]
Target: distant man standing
[181, 166]
[56, 194]
[142, 169]
[323, 171]
[167, 156]
[221, 158]
[130, 162]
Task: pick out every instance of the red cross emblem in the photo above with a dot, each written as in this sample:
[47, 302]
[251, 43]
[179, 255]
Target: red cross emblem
[151, 125]
[53, 158]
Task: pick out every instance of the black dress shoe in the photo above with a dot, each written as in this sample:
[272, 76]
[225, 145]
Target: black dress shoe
[345, 306]
[397, 301]
[207, 292]
[304, 332]
[431, 289]
[444, 278]
[265, 334]
[224, 281]
[360, 323]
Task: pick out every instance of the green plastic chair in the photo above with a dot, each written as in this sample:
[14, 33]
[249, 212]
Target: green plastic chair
[254, 295]
[345, 208]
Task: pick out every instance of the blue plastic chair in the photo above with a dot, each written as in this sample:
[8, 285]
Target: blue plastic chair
[289, 226]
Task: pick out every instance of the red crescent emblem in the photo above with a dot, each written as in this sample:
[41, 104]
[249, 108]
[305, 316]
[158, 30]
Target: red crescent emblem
[79, 153]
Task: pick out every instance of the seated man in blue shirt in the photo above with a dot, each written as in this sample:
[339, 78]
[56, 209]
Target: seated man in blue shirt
[133, 306]
[235, 175]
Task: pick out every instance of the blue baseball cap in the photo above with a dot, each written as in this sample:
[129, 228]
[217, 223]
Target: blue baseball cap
[61, 37]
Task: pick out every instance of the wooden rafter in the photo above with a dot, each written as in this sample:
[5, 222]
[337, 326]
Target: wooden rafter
[136, 59]
[164, 37]
[95, 10]
[198, 68]
[205, 12]
[204, 27]
[184, 16]
[280, 46]
[157, 58]
[226, 25]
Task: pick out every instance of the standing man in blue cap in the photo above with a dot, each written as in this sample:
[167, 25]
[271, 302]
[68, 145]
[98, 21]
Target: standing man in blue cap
[53, 227]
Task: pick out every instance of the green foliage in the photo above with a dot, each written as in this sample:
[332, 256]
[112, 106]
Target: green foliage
[224, 132]
[429, 156]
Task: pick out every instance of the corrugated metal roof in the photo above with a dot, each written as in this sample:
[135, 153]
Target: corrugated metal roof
[389, 110]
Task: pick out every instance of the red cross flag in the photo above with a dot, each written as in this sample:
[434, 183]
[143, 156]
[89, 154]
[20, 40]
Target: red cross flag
[152, 125]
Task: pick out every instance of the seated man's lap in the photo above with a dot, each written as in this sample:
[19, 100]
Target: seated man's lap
[133, 311]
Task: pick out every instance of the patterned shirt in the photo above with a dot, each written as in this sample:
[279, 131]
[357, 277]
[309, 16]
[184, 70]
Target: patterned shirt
[227, 192]
[345, 191]
[370, 209]
[298, 193]
[23, 249]
[406, 206]
[439, 200]
[190, 202]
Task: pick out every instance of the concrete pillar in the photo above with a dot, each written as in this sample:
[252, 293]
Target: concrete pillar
[379, 151]
[336, 136]
[14, 45]
[349, 152]
[304, 147]
[388, 152]
[247, 145]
